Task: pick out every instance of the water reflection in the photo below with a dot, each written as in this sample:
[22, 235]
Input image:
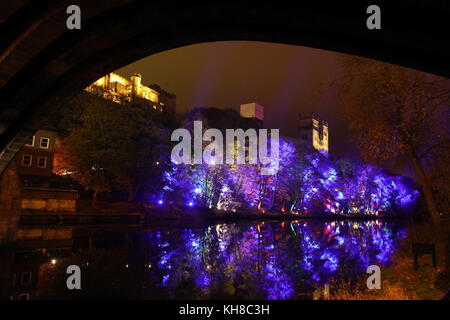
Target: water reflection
[277, 259]
[240, 261]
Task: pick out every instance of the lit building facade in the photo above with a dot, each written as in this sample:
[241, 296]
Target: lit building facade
[253, 113]
[252, 110]
[122, 90]
[41, 189]
[314, 131]
[36, 156]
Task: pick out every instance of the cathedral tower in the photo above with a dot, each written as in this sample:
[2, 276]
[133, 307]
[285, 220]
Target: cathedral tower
[314, 131]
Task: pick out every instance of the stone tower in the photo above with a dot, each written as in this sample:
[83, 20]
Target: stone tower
[136, 84]
[314, 131]
[253, 111]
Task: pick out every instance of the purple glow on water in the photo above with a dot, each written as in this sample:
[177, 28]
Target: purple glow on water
[274, 259]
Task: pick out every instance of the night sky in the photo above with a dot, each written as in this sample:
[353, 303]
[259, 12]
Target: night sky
[285, 79]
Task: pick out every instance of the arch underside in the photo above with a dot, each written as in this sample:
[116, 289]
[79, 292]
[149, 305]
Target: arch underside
[50, 64]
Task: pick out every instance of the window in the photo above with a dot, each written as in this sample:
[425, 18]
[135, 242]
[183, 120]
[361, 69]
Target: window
[26, 278]
[30, 142]
[26, 160]
[24, 296]
[44, 143]
[41, 162]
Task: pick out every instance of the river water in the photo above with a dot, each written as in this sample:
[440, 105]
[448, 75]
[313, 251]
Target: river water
[259, 260]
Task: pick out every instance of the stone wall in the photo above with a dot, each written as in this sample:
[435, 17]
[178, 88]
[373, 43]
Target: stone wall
[49, 200]
[52, 205]
[10, 193]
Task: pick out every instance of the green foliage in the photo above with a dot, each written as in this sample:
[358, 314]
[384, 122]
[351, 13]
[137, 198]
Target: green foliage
[108, 145]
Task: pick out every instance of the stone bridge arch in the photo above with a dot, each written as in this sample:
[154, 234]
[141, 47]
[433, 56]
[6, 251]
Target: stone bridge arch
[42, 64]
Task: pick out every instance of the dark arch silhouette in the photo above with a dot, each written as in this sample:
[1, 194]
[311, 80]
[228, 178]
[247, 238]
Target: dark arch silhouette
[42, 64]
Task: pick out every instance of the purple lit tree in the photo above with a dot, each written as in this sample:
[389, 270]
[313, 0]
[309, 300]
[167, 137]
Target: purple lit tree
[306, 182]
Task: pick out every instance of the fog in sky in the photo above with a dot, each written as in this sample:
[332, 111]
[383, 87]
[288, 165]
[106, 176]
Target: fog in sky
[285, 79]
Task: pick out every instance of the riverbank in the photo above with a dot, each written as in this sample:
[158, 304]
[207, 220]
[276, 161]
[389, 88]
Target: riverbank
[173, 216]
[399, 282]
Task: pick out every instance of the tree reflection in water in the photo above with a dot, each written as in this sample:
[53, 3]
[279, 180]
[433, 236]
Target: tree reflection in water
[239, 261]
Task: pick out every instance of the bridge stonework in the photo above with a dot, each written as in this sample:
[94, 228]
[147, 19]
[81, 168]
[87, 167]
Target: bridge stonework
[10, 192]
[43, 64]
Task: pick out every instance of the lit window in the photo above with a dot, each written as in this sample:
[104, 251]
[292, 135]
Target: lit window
[30, 142]
[44, 143]
[24, 296]
[26, 160]
[41, 162]
[26, 278]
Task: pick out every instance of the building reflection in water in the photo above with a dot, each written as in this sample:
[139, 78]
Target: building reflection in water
[238, 261]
